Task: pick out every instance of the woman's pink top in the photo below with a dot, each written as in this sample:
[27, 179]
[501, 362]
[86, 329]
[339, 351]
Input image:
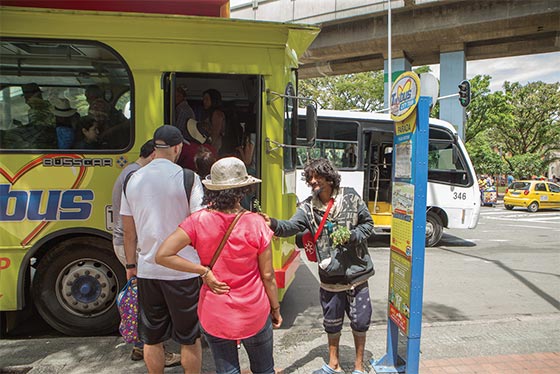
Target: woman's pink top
[244, 310]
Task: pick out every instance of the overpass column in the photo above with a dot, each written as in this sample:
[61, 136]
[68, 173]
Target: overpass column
[398, 66]
[452, 70]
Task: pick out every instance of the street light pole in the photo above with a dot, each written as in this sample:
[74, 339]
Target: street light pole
[389, 57]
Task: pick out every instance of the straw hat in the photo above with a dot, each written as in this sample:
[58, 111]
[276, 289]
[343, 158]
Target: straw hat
[228, 172]
[62, 108]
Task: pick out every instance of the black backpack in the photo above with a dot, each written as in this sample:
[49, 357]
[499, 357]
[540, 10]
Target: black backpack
[188, 181]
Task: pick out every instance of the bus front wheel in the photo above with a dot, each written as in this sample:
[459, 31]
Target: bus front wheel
[434, 229]
[76, 286]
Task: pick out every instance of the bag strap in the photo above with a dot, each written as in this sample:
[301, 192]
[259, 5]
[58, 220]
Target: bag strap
[225, 238]
[323, 221]
[188, 182]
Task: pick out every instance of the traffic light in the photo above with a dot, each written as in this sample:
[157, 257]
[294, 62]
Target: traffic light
[464, 93]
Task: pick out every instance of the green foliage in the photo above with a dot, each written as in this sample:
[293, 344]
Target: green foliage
[526, 165]
[484, 157]
[340, 236]
[359, 91]
[485, 108]
[532, 125]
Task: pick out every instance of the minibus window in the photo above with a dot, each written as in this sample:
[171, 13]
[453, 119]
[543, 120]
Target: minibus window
[58, 95]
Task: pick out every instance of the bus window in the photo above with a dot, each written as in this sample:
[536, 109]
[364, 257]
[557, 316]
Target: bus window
[444, 163]
[341, 150]
[47, 86]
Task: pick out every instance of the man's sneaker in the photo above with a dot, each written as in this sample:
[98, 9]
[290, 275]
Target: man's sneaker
[137, 354]
[172, 359]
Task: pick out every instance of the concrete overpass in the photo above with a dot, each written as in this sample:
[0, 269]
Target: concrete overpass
[354, 33]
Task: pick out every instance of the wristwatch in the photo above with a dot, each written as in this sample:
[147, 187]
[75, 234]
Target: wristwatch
[130, 266]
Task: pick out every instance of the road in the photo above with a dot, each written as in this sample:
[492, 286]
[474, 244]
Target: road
[489, 291]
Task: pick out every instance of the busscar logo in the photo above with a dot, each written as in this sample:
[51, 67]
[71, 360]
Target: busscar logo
[71, 161]
[44, 205]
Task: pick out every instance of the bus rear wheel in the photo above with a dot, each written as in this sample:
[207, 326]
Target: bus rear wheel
[76, 286]
[434, 229]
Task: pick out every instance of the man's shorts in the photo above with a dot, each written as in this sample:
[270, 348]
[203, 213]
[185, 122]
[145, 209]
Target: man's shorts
[355, 303]
[168, 309]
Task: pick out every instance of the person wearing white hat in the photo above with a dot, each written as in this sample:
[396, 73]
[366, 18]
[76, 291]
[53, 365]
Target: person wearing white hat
[66, 119]
[238, 301]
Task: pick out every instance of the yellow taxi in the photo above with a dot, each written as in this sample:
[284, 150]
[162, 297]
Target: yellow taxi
[533, 195]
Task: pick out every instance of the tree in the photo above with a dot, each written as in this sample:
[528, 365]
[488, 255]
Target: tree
[532, 125]
[526, 165]
[483, 155]
[485, 108]
[359, 91]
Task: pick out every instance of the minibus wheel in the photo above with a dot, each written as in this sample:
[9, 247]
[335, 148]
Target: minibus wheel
[76, 286]
[434, 229]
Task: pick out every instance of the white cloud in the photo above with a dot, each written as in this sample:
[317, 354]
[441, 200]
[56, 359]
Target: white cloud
[523, 69]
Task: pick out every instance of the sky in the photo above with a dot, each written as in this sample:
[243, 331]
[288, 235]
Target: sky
[529, 68]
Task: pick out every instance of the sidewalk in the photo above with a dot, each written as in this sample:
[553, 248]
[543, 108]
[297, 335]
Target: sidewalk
[520, 345]
[536, 363]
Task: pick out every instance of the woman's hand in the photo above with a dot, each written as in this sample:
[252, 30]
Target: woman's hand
[276, 317]
[214, 284]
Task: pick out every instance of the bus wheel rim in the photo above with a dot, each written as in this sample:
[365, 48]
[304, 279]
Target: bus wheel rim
[86, 287]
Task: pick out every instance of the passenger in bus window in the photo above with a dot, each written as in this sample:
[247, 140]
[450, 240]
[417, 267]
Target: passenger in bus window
[40, 110]
[114, 127]
[87, 134]
[99, 108]
[67, 119]
[214, 117]
[238, 301]
[342, 255]
[349, 157]
[183, 111]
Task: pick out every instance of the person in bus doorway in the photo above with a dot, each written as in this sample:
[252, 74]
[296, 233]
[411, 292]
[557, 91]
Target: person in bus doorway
[183, 111]
[195, 139]
[342, 254]
[146, 155]
[214, 117]
[238, 301]
[153, 204]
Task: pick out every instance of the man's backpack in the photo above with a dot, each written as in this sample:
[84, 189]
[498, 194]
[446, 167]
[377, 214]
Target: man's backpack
[188, 181]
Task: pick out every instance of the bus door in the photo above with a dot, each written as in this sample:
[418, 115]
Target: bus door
[237, 96]
[378, 169]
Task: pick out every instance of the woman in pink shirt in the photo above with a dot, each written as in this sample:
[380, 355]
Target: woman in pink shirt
[238, 301]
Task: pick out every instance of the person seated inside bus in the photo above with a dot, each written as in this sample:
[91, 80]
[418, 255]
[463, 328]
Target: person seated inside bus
[66, 119]
[349, 157]
[214, 117]
[40, 110]
[196, 138]
[87, 134]
[39, 131]
[183, 111]
[114, 127]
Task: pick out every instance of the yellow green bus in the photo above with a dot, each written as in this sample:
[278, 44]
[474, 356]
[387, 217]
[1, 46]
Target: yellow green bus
[55, 198]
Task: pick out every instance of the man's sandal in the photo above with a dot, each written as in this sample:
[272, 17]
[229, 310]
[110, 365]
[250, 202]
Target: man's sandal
[326, 369]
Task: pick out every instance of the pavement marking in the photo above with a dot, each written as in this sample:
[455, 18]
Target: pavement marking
[533, 227]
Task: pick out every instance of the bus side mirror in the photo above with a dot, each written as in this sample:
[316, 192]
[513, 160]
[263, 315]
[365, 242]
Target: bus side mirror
[311, 124]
